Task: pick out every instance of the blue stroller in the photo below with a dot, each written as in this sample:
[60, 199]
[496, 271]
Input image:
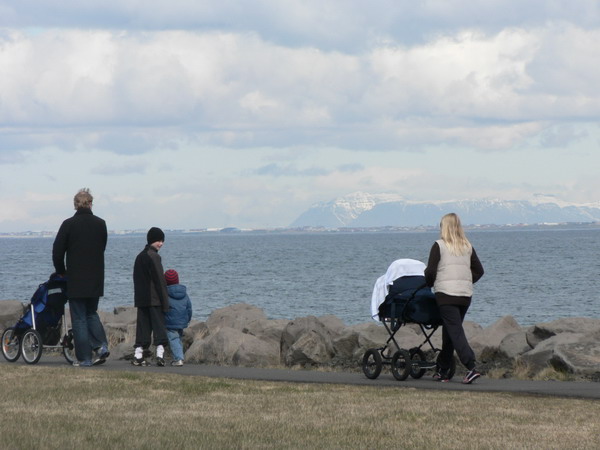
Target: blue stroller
[41, 325]
[400, 297]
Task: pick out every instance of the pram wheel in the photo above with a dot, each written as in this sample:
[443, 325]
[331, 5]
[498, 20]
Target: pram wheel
[401, 365]
[372, 363]
[416, 355]
[11, 345]
[68, 347]
[31, 346]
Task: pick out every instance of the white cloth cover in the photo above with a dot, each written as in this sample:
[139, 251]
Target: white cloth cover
[399, 268]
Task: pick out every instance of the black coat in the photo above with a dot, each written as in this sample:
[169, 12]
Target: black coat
[82, 238]
[149, 285]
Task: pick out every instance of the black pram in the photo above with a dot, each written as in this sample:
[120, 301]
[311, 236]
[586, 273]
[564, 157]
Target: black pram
[400, 297]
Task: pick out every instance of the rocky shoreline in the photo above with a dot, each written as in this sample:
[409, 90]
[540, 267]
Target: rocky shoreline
[241, 334]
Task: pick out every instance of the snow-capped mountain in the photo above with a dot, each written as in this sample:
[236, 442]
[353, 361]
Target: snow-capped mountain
[343, 210]
[367, 210]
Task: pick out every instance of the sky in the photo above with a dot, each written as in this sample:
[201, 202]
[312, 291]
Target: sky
[187, 114]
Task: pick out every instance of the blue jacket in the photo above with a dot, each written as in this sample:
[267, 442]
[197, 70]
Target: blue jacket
[180, 308]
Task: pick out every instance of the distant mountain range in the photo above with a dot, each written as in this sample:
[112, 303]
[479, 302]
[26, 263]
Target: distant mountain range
[366, 210]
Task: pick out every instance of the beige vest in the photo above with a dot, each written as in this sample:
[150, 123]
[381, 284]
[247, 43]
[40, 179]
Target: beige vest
[454, 273]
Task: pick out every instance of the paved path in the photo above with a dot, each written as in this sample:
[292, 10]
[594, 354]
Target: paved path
[551, 388]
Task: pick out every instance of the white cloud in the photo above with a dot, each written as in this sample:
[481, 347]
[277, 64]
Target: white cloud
[230, 114]
[160, 88]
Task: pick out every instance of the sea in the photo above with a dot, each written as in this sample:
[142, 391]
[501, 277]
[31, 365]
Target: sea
[533, 275]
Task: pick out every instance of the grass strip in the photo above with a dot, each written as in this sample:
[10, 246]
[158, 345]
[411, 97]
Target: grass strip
[56, 408]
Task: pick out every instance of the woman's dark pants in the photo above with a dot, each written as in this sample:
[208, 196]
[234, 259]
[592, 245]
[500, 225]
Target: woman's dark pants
[453, 337]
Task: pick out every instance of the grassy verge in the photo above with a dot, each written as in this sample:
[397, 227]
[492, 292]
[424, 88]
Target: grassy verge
[78, 408]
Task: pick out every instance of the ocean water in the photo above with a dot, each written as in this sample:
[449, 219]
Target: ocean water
[534, 275]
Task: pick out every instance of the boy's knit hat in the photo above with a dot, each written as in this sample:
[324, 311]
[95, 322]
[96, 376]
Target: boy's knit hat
[171, 277]
[155, 234]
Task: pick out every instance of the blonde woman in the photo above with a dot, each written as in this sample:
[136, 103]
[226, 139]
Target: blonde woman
[452, 268]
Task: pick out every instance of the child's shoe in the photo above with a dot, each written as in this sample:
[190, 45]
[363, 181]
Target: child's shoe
[160, 362]
[139, 362]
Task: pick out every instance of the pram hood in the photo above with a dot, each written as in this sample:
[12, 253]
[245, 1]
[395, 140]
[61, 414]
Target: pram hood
[399, 268]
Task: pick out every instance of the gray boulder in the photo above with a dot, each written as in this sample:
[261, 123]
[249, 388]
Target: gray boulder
[231, 346]
[542, 331]
[542, 355]
[345, 346]
[240, 316]
[311, 348]
[195, 331]
[256, 352]
[306, 331]
[333, 323]
[124, 314]
[514, 344]
[299, 326]
[10, 312]
[580, 357]
[370, 334]
[121, 349]
[493, 335]
[267, 329]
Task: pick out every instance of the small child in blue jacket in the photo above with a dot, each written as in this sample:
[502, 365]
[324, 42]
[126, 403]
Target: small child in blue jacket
[179, 315]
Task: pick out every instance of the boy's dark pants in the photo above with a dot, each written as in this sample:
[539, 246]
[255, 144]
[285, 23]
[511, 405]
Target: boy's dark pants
[150, 321]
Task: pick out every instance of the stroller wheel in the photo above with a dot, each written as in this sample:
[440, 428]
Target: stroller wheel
[416, 355]
[31, 346]
[68, 347]
[401, 365]
[372, 363]
[10, 345]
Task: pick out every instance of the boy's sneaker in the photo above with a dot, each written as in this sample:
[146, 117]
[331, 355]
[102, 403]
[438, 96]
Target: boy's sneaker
[471, 376]
[160, 362]
[139, 362]
[101, 354]
[179, 362]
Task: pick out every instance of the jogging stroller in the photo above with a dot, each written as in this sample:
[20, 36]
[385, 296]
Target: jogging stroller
[400, 297]
[41, 325]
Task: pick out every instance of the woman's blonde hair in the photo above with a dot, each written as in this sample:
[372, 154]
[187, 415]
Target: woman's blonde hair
[83, 199]
[453, 235]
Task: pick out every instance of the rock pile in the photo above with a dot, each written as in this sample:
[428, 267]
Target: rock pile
[241, 334]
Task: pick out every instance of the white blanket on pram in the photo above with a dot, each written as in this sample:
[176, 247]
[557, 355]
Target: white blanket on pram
[399, 268]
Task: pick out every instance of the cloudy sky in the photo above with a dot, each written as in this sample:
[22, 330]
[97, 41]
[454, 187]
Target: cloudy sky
[189, 114]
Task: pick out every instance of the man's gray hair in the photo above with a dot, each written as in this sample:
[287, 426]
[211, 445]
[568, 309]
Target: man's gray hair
[83, 199]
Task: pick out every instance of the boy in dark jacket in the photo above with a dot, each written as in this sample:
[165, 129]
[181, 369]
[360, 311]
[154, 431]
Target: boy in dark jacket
[151, 299]
[179, 315]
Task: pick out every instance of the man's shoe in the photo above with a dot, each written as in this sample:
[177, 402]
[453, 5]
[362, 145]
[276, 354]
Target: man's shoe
[82, 364]
[160, 362]
[101, 354]
[471, 376]
[178, 363]
[139, 362]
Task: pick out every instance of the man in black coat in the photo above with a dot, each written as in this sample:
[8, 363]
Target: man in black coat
[82, 238]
